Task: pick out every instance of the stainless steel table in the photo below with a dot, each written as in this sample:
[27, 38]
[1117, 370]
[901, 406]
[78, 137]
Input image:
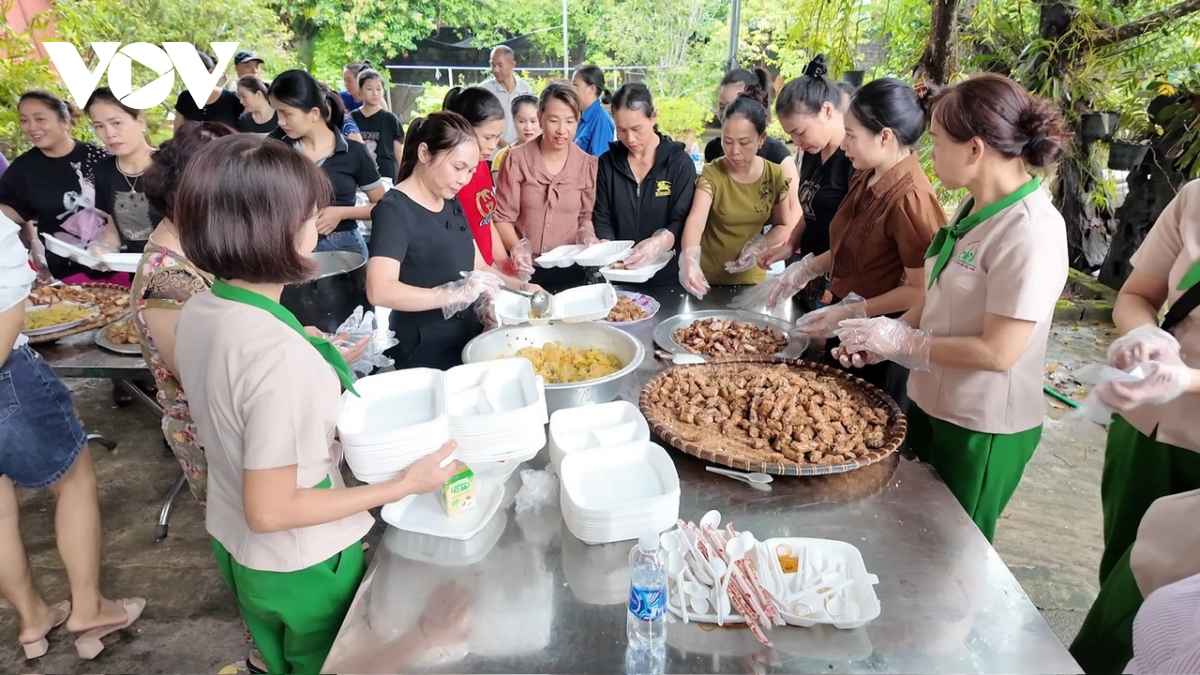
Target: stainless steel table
[78, 356]
[525, 596]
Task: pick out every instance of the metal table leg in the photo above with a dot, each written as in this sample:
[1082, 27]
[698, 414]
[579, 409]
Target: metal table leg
[160, 532]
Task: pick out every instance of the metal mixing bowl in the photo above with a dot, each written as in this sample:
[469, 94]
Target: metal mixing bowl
[504, 342]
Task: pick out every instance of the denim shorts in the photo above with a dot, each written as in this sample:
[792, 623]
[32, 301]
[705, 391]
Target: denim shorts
[346, 240]
[40, 435]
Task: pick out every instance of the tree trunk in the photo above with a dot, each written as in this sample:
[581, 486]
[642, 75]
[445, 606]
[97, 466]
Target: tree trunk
[940, 61]
[1088, 228]
[1151, 187]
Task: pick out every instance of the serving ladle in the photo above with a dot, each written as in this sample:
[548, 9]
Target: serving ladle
[539, 301]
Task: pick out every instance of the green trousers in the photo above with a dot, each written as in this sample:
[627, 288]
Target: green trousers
[982, 470]
[1137, 471]
[295, 616]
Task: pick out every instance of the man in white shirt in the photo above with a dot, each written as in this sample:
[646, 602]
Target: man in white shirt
[505, 84]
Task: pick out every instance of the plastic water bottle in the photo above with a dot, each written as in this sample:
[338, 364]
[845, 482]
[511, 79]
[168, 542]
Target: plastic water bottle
[697, 158]
[646, 622]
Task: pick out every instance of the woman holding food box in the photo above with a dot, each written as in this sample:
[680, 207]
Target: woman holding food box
[264, 395]
[735, 195]
[546, 191]
[424, 263]
[976, 342]
[644, 184]
[1153, 446]
[881, 231]
[120, 190]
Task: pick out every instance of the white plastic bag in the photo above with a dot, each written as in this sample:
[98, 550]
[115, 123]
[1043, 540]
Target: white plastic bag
[360, 325]
[1093, 409]
[538, 489]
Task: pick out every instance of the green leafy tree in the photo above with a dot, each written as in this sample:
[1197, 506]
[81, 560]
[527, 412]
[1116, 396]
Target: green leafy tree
[20, 71]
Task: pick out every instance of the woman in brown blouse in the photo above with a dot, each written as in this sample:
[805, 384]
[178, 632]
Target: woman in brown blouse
[881, 232]
[546, 191]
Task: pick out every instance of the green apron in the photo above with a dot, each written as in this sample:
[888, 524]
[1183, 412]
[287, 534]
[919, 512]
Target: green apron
[1137, 471]
[982, 470]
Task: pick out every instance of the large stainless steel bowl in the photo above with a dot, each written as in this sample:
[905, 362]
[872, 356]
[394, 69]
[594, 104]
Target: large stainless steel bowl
[504, 342]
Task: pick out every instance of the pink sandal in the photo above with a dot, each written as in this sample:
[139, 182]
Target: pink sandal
[88, 643]
[37, 649]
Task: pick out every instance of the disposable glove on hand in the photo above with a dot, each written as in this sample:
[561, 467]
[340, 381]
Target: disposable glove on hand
[521, 260]
[887, 340]
[648, 249]
[749, 256]
[1162, 383]
[1144, 343]
[823, 323]
[462, 294]
[794, 279]
[691, 277]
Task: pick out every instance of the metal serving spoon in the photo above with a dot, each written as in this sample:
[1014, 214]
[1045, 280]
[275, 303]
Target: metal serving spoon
[538, 302]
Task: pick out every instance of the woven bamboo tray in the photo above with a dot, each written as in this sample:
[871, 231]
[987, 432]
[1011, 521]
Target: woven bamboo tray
[671, 430]
[99, 321]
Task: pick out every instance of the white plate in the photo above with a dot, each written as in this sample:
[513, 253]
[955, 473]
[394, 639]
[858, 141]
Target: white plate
[46, 330]
[647, 303]
[563, 256]
[122, 262]
[640, 275]
[423, 514]
[621, 478]
[605, 253]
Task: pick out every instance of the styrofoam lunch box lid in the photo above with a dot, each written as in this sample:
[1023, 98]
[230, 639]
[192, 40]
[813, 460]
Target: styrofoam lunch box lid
[562, 256]
[583, 303]
[640, 275]
[388, 402]
[621, 477]
[69, 251]
[604, 253]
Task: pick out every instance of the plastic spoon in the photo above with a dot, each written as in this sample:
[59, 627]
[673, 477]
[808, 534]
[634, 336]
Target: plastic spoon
[759, 478]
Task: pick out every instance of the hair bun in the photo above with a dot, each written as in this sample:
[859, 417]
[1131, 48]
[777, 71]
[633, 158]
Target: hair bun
[817, 67]
[925, 94]
[754, 93]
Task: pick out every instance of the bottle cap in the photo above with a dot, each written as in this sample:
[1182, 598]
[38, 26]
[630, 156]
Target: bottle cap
[648, 542]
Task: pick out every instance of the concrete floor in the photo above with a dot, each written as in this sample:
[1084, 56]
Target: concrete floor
[1049, 536]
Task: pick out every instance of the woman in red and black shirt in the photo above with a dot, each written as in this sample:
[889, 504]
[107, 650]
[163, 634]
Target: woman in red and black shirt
[482, 109]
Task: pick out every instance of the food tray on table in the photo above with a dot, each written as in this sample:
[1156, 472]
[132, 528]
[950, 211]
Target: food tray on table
[111, 299]
[733, 446]
[664, 333]
[79, 312]
[648, 305]
[104, 341]
[595, 255]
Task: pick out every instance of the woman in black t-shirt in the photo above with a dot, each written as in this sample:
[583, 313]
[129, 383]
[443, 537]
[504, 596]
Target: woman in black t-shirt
[380, 129]
[119, 191]
[54, 183]
[421, 245]
[312, 121]
[259, 117]
[810, 109]
[221, 105]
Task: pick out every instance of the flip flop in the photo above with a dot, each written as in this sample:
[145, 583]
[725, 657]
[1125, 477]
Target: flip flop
[38, 648]
[88, 643]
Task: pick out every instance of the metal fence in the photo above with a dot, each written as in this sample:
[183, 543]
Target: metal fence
[449, 75]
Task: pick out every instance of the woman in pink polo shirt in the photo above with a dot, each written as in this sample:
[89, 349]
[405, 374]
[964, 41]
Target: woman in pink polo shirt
[976, 345]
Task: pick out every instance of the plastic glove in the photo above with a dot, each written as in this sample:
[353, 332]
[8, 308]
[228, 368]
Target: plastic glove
[521, 260]
[648, 249]
[757, 298]
[485, 309]
[749, 256]
[37, 254]
[460, 295]
[99, 249]
[794, 279]
[1162, 383]
[858, 360]
[691, 277]
[823, 323]
[1144, 343]
[774, 255]
[887, 339]
[361, 324]
[586, 236]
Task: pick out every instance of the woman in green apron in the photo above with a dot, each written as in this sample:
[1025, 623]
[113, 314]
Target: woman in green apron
[976, 345]
[1154, 441]
[265, 395]
[735, 195]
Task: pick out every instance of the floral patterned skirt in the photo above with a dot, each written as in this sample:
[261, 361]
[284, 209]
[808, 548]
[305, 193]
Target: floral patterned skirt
[181, 436]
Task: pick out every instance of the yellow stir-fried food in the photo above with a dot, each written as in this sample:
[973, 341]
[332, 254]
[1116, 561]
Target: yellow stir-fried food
[55, 315]
[559, 364]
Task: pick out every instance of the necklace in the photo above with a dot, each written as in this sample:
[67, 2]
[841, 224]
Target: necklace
[131, 178]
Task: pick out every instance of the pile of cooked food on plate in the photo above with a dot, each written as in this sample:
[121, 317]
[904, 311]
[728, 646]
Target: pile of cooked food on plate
[727, 337]
[122, 333]
[626, 310]
[769, 412]
[55, 315]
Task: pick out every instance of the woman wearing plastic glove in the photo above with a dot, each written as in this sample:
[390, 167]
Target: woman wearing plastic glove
[1153, 445]
[722, 236]
[286, 532]
[421, 244]
[644, 185]
[811, 109]
[977, 343]
[881, 231]
[52, 183]
[546, 189]
[120, 192]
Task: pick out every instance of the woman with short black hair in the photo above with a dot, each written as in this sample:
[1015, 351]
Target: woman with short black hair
[596, 129]
[312, 119]
[285, 530]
